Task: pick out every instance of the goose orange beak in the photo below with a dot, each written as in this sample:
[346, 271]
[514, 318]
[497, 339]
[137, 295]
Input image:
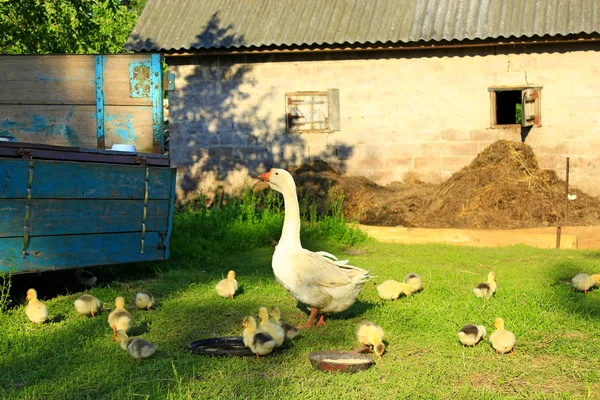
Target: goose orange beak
[266, 176]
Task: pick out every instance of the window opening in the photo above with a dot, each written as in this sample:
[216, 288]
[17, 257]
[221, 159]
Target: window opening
[508, 107]
[516, 106]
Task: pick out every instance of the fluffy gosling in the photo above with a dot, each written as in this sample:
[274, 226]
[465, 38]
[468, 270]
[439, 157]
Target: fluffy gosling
[259, 342]
[87, 304]
[227, 287]
[470, 335]
[144, 300]
[584, 282]
[138, 348]
[276, 331]
[391, 289]
[414, 281]
[36, 311]
[119, 319]
[502, 341]
[289, 330]
[370, 334]
[86, 278]
[486, 289]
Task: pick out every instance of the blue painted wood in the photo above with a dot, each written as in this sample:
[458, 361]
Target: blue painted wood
[46, 253]
[64, 179]
[62, 124]
[75, 216]
[85, 92]
[171, 212]
[99, 62]
[156, 91]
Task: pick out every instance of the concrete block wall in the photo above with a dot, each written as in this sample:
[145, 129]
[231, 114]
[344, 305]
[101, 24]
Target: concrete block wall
[420, 111]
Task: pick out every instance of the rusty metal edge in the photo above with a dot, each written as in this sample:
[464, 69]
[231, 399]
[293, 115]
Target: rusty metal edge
[49, 152]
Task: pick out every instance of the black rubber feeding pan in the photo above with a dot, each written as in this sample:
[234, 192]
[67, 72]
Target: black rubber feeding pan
[224, 346]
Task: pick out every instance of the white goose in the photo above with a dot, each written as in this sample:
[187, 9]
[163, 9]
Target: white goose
[321, 281]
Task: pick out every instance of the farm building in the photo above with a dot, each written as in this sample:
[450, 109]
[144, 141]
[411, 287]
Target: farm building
[375, 88]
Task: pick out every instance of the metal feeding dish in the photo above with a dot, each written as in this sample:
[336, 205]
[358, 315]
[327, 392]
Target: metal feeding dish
[223, 346]
[123, 147]
[340, 361]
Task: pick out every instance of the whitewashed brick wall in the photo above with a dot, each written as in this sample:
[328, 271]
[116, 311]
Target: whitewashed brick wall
[425, 111]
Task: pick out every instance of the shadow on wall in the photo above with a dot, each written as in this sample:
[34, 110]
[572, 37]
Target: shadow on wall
[223, 130]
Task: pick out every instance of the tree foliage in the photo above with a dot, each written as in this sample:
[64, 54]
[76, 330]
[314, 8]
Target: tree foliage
[66, 26]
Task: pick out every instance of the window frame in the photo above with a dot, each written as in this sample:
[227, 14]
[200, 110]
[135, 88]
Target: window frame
[332, 118]
[527, 91]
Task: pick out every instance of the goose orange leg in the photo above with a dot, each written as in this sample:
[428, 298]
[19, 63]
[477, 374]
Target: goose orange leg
[311, 319]
[114, 327]
[321, 321]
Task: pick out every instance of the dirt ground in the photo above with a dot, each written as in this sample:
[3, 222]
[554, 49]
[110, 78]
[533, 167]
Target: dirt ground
[502, 188]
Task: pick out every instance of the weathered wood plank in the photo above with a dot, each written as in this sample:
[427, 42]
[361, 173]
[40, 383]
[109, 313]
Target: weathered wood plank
[49, 79]
[66, 125]
[73, 217]
[468, 237]
[117, 87]
[74, 251]
[62, 125]
[64, 179]
[129, 125]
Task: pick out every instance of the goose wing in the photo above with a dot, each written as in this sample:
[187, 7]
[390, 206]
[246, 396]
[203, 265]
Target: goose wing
[318, 270]
[332, 257]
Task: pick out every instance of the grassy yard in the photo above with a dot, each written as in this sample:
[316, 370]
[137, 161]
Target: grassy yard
[558, 331]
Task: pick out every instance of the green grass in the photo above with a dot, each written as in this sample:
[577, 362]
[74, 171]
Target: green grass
[558, 331]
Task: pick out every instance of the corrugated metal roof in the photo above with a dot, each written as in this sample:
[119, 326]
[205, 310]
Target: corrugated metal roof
[214, 24]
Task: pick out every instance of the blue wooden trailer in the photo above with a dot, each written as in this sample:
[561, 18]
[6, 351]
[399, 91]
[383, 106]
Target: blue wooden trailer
[66, 199]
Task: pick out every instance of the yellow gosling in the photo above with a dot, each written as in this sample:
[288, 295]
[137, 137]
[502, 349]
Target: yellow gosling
[486, 289]
[144, 300]
[371, 334]
[389, 290]
[392, 289]
[502, 341]
[119, 319]
[227, 287]
[406, 289]
[87, 304]
[36, 311]
[289, 330]
[259, 342]
[276, 331]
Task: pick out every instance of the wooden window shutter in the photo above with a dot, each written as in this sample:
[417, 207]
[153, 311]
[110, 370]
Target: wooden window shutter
[531, 107]
[333, 97]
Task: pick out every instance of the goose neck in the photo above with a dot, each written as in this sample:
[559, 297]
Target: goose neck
[290, 235]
